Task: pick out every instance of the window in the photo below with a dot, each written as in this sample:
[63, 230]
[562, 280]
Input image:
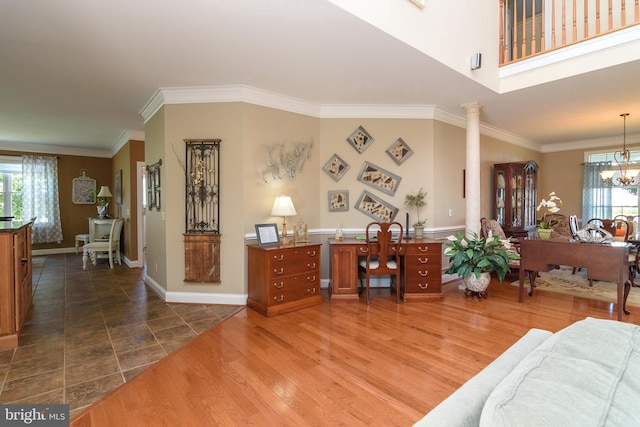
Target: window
[624, 200]
[11, 187]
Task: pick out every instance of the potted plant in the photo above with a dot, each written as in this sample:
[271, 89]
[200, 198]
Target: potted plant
[417, 200]
[551, 206]
[474, 258]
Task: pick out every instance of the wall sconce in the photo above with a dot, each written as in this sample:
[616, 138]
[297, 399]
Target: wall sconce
[102, 199]
[283, 206]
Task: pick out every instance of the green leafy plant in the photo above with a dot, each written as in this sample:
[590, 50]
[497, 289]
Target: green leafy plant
[475, 255]
[417, 200]
[551, 206]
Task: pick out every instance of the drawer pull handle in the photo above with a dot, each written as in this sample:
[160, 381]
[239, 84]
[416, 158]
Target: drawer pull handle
[423, 248]
[278, 257]
[365, 250]
[311, 278]
[279, 272]
[311, 253]
[311, 266]
[24, 260]
[423, 260]
[279, 285]
[311, 291]
[279, 298]
[423, 273]
[425, 286]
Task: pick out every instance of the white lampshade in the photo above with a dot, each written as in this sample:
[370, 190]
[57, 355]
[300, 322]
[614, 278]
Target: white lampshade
[104, 192]
[283, 206]
[607, 174]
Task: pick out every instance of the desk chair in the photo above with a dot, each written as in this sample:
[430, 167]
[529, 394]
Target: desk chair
[383, 254]
[111, 246]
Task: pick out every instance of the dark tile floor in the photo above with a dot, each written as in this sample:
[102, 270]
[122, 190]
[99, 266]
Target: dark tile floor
[88, 332]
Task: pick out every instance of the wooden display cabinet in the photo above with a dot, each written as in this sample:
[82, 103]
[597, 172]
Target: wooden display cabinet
[515, 196]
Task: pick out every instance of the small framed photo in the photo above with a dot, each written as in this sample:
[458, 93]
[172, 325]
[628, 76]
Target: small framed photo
[399, 151]
[338, 200]
[300, 232]
[336, 167]
[360, 139]
[267, 234]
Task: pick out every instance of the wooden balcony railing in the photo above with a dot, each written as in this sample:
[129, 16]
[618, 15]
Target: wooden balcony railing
[532, 27]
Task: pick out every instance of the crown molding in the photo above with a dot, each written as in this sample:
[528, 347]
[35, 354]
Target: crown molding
[68, 150]
[126, 136]
[614, 141]
[252, 95]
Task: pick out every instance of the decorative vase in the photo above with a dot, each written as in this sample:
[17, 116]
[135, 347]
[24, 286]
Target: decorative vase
[544, 233]
[419, 231]
[102, 211]
[477, 286]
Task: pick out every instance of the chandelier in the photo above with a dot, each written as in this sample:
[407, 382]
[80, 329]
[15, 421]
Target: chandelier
[627, 176]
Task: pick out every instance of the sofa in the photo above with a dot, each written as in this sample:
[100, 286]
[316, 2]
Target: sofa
[587, 374]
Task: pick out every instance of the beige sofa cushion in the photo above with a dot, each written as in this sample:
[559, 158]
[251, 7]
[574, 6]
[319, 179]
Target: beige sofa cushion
[587, 374]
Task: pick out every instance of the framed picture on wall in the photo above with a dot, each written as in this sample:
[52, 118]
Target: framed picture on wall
[360, 139]
[118, 189]
[375, 207]
[338, 200]
[399, 151]
[336, 167]
[379, 178]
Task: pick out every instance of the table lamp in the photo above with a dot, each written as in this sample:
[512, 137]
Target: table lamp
[283, 206]
[102, 199]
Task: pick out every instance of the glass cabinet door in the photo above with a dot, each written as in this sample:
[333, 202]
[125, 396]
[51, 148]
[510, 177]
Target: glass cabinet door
[515, 196]
[501, 180]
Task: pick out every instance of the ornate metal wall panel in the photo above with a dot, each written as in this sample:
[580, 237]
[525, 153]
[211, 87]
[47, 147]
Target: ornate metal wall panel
[202, 210]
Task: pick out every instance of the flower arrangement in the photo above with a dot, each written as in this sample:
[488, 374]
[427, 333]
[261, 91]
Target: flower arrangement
[475, 255]
[416, 200]
[551, 206]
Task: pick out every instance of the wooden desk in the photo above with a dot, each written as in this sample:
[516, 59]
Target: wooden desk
[421, 269]
[603, 262]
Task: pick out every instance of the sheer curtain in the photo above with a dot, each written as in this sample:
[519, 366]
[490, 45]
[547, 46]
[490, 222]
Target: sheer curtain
[40, 197]
[596, 195]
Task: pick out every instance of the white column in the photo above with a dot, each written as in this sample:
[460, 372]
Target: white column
[472, 174]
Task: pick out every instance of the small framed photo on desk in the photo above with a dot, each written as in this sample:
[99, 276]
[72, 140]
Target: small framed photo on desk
[300, 232]
[267, 234]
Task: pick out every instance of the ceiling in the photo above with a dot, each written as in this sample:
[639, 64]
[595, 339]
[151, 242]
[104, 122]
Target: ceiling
[77, 74]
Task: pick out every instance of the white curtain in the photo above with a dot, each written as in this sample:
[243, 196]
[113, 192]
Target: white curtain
[40, 197]
[596, 195]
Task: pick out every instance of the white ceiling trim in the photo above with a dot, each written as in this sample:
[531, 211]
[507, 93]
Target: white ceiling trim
[252, 95]
[56, 149]
[615, 141]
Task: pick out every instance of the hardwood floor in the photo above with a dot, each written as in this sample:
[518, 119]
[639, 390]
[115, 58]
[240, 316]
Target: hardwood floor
[336, 363]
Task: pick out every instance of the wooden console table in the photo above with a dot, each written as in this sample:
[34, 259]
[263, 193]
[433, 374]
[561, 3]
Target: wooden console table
[608, 262]
[421, 271]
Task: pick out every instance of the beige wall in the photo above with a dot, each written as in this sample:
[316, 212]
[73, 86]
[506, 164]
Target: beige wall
[248, 190]
[562, 173]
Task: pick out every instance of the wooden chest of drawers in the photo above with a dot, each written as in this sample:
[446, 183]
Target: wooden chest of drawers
[283, 278]
[423, 271]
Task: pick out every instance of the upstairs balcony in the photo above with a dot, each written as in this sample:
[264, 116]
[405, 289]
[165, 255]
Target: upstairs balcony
[533, 27]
